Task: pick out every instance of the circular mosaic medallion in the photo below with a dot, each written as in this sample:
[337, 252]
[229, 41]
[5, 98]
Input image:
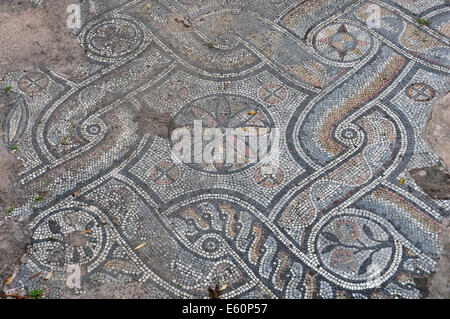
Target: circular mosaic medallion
[94, 129]
[33, 82]
[420, 92]
[114, 38]
[342, 42]
[210, 245]
[175, 93]
[272, 93]
[237, 125]
[351, 246]
[349, 133]
[165, 173]
[69, 237]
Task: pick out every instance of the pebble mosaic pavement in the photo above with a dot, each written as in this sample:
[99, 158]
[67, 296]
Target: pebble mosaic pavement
[332, 220]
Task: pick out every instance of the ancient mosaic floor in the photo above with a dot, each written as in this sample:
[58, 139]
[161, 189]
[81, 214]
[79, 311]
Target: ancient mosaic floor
[338, 216]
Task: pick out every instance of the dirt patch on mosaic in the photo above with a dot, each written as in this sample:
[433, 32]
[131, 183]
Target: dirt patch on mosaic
[438, 128]
[154, 122]
[37, 36]
[439, 282]
[14, 240]
[110, 291]
[434, 181]
[179, 23]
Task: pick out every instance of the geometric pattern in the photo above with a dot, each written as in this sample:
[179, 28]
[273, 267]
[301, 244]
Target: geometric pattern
[330, 220]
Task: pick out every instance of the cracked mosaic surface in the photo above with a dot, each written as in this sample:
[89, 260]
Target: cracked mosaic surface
[331, 220]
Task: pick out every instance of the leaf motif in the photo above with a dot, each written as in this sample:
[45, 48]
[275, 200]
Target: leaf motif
[363, 269]
[16, 122]
[367, 231]
[328, 248]
[331, 237]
